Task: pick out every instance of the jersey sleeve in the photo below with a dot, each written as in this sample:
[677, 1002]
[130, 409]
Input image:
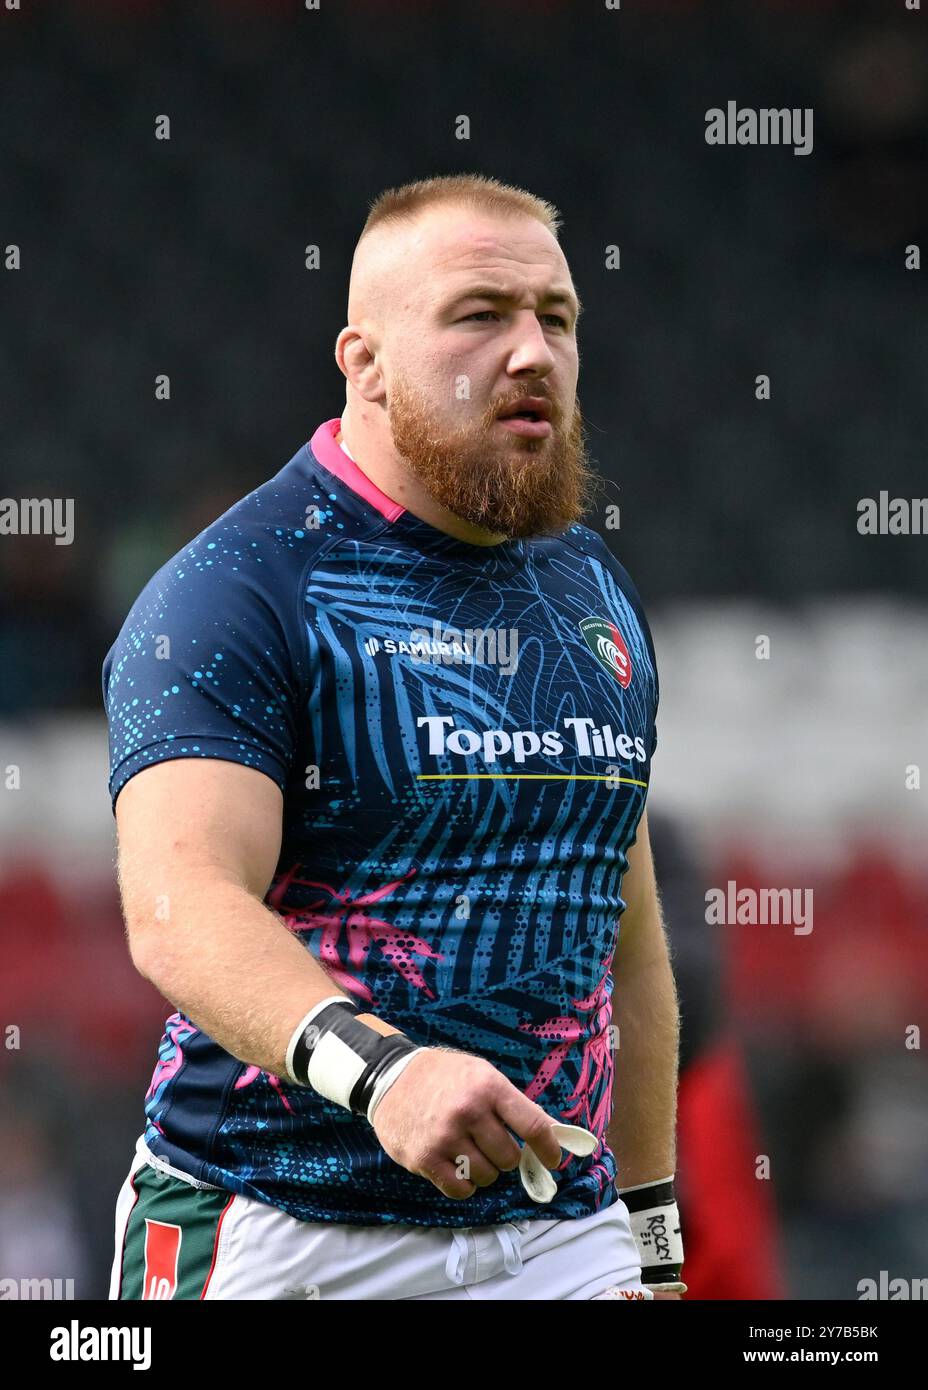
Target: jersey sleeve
[208, 664]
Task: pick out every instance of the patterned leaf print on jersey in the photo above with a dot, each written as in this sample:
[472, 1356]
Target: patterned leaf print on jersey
[177, 1030]
[596, 1069]
[361, 931]
[251, 1074]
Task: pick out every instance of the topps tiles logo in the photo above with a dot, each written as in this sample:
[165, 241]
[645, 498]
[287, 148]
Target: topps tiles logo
[582, 739]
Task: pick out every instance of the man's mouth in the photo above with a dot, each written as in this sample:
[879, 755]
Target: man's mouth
[526, 426]
[530, 417]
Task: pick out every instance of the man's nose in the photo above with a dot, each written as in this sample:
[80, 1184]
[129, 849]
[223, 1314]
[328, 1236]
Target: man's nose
[530, 351]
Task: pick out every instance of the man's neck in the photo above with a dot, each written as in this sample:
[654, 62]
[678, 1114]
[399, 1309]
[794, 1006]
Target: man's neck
[400, 487]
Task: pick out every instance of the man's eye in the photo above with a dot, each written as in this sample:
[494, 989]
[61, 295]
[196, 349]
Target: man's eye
[482, 313]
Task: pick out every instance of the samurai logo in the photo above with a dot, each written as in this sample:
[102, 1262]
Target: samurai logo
[607, 644]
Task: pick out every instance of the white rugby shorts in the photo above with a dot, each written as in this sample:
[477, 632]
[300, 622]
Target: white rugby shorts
[179, 1239]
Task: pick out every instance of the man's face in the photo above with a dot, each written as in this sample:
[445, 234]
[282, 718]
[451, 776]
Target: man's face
[487, 317]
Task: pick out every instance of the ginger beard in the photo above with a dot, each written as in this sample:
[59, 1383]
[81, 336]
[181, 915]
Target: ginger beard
[499, 481]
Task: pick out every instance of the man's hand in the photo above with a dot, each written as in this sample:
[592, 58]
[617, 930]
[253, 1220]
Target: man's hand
[678, 1296]
[445, 1119]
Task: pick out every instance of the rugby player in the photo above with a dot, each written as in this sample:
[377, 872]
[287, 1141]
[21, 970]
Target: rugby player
[379, 871]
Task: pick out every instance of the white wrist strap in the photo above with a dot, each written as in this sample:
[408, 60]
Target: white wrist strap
[657, 1235]
[304, 1024]
[344, 1053]
[657, 1232]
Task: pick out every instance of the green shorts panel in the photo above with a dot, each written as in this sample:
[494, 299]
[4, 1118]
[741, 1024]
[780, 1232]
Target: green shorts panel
[171, 1237]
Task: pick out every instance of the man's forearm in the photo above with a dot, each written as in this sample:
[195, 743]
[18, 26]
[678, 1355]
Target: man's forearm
[231, 966]
[642, 1132]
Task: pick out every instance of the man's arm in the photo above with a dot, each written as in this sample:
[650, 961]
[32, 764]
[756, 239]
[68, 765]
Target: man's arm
[646, 1011]
[199, 842]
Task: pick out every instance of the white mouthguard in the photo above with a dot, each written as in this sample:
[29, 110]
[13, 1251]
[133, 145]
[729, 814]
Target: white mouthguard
[536, 1178]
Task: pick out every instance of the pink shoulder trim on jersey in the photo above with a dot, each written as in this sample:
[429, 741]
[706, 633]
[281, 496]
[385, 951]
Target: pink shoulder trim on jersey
[333, 457]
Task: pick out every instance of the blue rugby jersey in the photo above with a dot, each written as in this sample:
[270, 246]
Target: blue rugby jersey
[463, 738]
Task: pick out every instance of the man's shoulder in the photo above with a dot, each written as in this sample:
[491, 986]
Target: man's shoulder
[590, 544]
[586, 542]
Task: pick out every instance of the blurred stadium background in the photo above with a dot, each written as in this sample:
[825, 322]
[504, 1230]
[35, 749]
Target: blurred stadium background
[738, 519]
